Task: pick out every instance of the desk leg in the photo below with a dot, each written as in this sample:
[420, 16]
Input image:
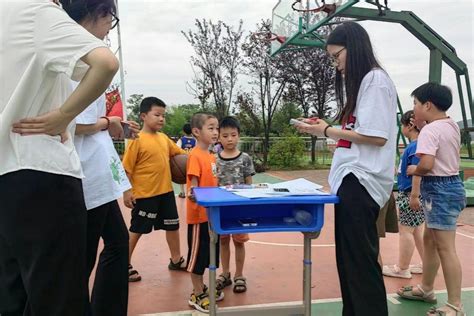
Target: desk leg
[307, 275]
[307, 265]
[212, 273]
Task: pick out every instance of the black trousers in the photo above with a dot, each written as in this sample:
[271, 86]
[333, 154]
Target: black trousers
[357, 248]
[42, 245]
[110, 292]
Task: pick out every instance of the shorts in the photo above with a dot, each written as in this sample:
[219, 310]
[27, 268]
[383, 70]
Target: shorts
[199, 248]
[387, 221]
[157, 212]
[444, 199]
[238, 238]
[409, 217]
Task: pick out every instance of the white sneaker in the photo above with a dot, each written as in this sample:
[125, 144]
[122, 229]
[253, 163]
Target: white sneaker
[416, 268]
[395, 272]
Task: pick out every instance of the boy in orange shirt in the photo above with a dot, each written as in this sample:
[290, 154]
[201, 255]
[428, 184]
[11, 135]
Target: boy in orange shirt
[201, 172]
[146, 162]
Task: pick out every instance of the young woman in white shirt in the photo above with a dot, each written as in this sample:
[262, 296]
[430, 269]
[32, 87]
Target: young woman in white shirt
[362, 166]
[105, 179]
[43, 215]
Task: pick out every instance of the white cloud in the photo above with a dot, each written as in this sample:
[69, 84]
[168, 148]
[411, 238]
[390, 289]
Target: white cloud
[156, 54]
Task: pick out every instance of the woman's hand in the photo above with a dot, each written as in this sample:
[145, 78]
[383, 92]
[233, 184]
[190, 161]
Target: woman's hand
[134, 129]
[53, 123]
[313, 127]
[115, 127]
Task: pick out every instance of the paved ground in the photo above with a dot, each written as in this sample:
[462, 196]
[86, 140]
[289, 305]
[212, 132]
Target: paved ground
[274, 265]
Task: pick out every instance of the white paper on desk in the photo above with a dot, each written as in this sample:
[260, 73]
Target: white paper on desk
[299, 186]
[295, 187]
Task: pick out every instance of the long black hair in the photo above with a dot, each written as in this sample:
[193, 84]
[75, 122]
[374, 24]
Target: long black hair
[78, 10]
[360, 59]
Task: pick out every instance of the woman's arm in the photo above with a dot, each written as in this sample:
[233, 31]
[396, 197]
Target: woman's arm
[103, 66]
[319, 127]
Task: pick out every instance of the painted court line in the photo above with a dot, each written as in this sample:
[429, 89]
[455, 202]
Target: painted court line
[390, 297]
[287, 245]
[458, 233]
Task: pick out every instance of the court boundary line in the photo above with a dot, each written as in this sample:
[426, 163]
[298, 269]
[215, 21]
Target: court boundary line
[288, 245]
[390, 297]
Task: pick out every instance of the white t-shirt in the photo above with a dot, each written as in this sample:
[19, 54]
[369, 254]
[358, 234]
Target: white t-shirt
[375, 115]
[104, 177]
[40, 49]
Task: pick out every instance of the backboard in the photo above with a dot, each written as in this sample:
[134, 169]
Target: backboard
[299, 21]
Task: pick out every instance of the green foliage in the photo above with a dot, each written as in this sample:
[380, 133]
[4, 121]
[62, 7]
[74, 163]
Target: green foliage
[287, 152]
[133, 108]
[282, 117]
[177, 116]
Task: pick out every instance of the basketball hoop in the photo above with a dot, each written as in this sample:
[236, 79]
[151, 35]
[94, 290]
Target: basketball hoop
[328, 8]
[267, 36]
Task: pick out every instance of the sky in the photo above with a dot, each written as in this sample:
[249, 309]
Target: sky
[156, 56]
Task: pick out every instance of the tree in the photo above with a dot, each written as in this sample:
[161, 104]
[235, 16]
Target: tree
[133, 108]
[217, 48]
[177, 116]
[281, 119]
[268, 84]
[311, 76]
[200, 88]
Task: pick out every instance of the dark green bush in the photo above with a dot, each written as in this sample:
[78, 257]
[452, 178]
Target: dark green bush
[287, 152]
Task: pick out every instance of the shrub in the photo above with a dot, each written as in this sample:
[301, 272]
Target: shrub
[287, 152]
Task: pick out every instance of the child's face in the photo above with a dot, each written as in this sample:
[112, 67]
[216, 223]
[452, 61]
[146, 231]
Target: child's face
[420, 110]
[229, 137]
[405, 130]
[209, 132]
[155, 118]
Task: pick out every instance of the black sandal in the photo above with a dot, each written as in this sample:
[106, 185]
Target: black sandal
[223, 281]
[133, 275]
[178, 266]
[240, 284]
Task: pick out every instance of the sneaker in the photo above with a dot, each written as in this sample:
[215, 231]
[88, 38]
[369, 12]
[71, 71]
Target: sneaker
[416, 268]
[395, 272]
[219, 293]
[200, 302]
[180, 265]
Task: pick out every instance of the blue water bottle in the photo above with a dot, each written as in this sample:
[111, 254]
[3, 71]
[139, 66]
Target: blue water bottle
[302, 217]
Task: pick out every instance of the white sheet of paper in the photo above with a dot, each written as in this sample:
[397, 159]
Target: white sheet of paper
[298, 186]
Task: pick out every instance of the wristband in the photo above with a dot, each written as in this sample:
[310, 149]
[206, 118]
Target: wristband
[108, 123]
[325, 131]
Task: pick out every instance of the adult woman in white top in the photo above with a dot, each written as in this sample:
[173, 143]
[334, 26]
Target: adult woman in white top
[362, 167]
[43, 215]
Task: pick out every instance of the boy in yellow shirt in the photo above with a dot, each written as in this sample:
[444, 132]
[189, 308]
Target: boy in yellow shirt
[146, 162]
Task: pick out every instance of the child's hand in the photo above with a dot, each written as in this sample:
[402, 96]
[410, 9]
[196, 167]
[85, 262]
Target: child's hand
[129, 199]
[190, 195]
[415, 203]
[411, 170]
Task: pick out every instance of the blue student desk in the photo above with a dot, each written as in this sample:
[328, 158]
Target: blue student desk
[225, 210]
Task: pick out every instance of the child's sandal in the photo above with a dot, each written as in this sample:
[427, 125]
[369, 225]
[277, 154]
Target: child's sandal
[240, 284]
[133, 275]
[439, 312]
[407, 292]
[223, 281]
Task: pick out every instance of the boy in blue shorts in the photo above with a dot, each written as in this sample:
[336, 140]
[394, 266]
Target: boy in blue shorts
[443, 194]
[233, 167]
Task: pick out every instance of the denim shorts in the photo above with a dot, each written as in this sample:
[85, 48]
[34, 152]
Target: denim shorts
[444, 198]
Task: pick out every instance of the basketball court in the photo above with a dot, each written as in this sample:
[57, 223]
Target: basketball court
[274, 268]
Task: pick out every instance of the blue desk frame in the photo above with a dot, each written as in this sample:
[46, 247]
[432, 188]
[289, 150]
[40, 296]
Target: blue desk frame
[224, 209]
